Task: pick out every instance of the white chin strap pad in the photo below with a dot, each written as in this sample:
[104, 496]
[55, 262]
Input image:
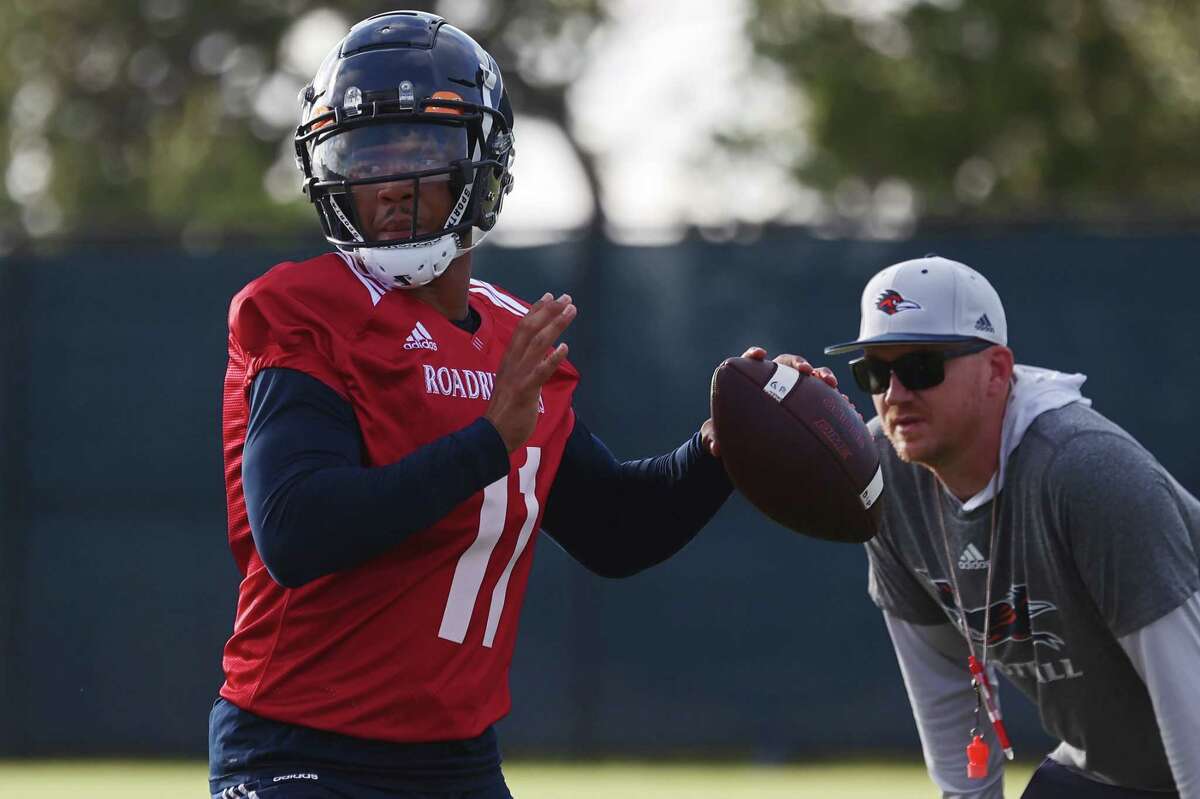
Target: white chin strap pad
[408, 266]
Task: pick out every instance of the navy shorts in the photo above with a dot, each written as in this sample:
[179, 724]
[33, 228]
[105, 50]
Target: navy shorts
[322, 785]
[1055, 781]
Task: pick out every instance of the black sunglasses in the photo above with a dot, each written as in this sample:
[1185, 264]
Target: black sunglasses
[916, 370]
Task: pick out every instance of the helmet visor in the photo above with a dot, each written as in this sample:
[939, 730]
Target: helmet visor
[403, 180]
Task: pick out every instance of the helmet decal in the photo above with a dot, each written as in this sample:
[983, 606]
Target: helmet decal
[352, 105]
[408, 100]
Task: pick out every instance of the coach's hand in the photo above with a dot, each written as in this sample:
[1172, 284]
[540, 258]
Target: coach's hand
[708, 433]
[527, 365]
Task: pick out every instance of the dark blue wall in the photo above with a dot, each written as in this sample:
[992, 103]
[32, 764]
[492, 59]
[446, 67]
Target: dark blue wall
[117, 590]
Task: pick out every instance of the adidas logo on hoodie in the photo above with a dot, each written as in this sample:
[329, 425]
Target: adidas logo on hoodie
[972, 558]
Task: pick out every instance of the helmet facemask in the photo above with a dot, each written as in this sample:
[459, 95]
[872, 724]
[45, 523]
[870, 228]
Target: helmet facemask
[402, 184]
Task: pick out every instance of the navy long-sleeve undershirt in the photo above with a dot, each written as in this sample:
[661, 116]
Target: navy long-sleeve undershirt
[315, 509]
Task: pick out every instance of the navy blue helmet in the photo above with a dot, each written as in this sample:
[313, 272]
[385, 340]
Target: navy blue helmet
[405, 142]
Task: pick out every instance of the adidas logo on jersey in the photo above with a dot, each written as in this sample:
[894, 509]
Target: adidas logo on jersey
[419, 339]
[972, 558]
[984, 325]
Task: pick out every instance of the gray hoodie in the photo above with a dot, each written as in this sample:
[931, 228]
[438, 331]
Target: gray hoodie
[1094, 601]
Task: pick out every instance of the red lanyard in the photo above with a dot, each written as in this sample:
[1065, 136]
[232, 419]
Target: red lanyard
[977, 749]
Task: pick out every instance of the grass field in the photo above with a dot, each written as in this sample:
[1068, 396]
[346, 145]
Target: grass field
[528, 780]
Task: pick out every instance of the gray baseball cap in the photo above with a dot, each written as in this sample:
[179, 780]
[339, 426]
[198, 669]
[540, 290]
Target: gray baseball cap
[928, 300]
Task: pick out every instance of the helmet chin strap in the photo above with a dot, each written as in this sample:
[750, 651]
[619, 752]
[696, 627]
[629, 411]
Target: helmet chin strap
[399, 266]
[477, 237]
[408, 266]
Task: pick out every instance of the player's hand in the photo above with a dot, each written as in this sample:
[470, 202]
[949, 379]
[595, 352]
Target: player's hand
[707, 431]
[805, 368]
[708, 438]
[527, 364]
[798, 363]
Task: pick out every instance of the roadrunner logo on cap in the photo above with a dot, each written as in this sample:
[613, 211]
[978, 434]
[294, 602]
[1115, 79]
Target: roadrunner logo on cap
[891, 303]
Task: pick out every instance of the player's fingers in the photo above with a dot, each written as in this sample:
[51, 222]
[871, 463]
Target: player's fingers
[539, 314]
[528, 324]
[796, 362]
[549, 364]
[708, 437]
[755, 353]
[826, 374]
[554, 326]
[537, 321]
[535, 312]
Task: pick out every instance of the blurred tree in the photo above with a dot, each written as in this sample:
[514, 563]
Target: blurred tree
[159, 117]
[1086, 109]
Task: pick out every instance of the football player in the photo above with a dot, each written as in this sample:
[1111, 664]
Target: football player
[395, 434]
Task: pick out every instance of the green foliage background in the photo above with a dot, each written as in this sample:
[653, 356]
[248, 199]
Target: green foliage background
[127, 118]
[145, 109]
[1000, 109]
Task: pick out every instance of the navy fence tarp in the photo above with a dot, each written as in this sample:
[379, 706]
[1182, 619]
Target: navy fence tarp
[117, 589]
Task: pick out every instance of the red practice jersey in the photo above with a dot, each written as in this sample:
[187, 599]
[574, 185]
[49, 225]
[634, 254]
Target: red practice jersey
[413, 645]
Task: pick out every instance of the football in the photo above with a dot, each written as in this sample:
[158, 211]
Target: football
[797, 450]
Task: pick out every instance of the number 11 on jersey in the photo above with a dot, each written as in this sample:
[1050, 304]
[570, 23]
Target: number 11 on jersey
[468, 574]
